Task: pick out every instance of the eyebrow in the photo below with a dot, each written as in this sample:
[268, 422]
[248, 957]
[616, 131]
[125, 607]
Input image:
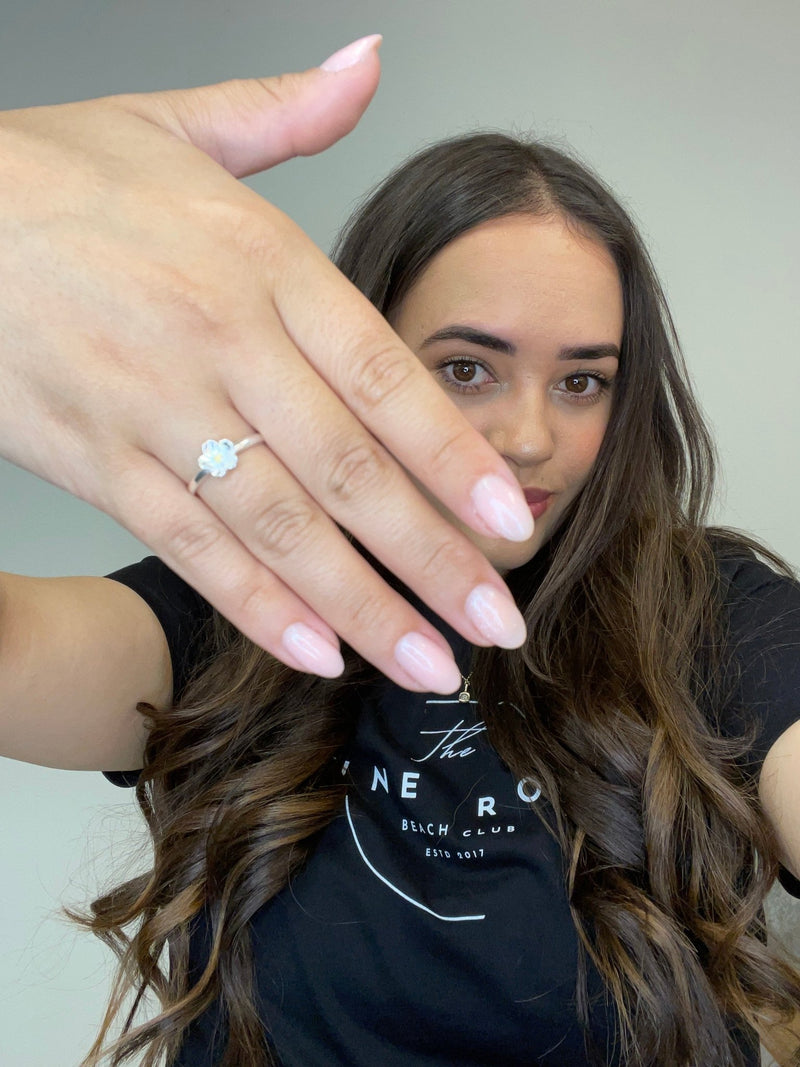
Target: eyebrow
[457, 332]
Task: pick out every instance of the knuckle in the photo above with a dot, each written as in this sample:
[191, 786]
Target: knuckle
[454, 449]
[278, 88]
[448, 556]
[369, 615]
[239, 91]
[281, 525]
[379, 374]
[256, 602]
[192, 540]
[256, 234]
[358, 470]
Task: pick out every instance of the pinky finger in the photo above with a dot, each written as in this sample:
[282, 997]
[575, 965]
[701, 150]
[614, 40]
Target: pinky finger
[189, 537]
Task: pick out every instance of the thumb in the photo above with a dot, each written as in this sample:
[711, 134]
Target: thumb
[250, 124]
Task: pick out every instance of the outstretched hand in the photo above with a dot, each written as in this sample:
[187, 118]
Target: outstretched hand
[151, 301]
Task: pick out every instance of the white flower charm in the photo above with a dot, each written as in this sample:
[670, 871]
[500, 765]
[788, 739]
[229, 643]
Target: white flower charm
[218, 457]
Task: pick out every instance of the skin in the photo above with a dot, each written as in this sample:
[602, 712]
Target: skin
[562, 290]
[178, 311]
[534, 409]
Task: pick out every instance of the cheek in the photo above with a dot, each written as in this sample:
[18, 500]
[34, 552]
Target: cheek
[581, 448]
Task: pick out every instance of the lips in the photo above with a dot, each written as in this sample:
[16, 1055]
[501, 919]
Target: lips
[536, 496]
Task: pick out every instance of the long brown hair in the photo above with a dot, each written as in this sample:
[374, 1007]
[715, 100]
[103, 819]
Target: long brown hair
[609, 704]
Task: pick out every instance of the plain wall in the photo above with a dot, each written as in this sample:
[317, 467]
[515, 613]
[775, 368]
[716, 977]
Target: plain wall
[689, 111]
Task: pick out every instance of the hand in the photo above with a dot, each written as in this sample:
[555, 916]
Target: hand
[152, 301]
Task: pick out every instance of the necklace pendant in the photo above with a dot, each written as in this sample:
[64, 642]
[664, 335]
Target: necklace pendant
[464, 696]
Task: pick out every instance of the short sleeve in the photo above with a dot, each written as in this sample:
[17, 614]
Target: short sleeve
[763, 609]
[183, 614]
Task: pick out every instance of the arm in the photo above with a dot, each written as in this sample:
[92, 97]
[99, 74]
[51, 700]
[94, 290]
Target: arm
[176, 298]
[76, 655]
[779, 790]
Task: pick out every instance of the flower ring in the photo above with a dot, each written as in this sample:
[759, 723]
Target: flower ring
[219, 457]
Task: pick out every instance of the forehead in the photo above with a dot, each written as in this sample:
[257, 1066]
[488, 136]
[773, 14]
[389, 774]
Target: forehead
[526, 272]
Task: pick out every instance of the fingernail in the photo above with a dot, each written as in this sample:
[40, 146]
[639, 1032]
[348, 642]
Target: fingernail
[312, 651]
[503, 508]
[427, 664]
[496, 616]
[351, 53]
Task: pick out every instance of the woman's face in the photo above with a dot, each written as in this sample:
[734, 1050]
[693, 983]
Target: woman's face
[538, 290]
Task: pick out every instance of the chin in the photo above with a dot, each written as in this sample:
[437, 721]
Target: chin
[512, 556]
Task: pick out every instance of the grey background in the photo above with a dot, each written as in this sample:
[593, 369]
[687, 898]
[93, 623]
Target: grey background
[689, 111]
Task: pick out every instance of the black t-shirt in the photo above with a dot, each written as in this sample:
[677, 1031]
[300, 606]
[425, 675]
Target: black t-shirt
[430, 926]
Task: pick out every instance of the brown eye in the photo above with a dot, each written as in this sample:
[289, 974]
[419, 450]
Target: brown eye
[578, 378]
[464, 375]
[584, 395]
[463, 372]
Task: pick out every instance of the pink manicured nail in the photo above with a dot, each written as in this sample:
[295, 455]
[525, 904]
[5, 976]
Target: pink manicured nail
[503, 508]
[427, 664]
[496, 616]
[351, 53]
[312, 651]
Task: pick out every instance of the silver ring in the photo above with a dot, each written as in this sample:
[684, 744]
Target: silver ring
[219, 457]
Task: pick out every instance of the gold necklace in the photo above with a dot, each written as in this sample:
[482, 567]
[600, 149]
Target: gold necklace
[464, 696]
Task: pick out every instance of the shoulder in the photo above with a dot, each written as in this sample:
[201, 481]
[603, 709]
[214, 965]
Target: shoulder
[745, 576]
[183, 613]
[760, 604]
[760, 609]
[763, 611]
[153, 580]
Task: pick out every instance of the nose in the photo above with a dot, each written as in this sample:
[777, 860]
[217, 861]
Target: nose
[520, 428]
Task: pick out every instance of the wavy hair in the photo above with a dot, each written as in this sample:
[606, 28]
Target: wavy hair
[609, 704]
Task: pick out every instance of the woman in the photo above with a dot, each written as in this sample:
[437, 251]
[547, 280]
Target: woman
[566, 861]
